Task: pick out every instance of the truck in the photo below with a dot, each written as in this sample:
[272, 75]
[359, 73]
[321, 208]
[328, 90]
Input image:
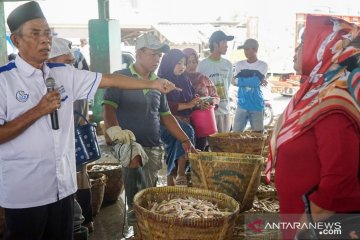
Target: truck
[287, 84]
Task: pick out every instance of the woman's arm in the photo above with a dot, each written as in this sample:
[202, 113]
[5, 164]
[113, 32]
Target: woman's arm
[338, 151]
[172, 125]
[175, 107]
[337, 139]
[189, 105]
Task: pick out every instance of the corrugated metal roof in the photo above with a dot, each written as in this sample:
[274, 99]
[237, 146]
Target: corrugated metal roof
[185, 33]
[192, 33]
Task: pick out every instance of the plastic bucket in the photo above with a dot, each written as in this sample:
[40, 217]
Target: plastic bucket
[204, 122]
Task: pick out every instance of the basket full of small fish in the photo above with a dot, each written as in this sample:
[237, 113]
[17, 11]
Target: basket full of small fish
[238, 142]
[184, 213]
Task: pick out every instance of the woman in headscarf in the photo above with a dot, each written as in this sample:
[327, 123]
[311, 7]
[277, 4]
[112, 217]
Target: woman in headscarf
[172, 67]
[203, 86]
[316, 140]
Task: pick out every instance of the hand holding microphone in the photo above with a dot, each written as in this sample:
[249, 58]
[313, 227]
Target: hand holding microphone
[53, 97]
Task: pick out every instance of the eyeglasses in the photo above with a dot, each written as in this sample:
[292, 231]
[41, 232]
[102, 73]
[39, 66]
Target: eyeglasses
[36, 34]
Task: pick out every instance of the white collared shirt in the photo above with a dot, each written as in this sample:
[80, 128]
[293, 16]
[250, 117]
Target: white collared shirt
[38, 166]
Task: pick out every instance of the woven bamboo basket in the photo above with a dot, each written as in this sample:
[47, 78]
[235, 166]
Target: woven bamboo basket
[98, 183]
[265, 152]
[237, 175]
[237, 142]
[269, 131]
[114, 185]
[154, 226]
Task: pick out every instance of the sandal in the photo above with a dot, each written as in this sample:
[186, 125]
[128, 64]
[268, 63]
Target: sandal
[181, 181]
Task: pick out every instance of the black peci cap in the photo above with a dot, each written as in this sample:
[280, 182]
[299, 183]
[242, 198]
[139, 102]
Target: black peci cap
[23, 13]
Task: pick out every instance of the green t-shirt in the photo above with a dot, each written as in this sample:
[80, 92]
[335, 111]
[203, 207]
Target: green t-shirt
[220, 73]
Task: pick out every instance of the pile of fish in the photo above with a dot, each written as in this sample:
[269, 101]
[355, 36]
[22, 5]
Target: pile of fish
[100, 168]
[246, 135]
[266, 191]
[265, 205]
[266, 188]
[188, 207]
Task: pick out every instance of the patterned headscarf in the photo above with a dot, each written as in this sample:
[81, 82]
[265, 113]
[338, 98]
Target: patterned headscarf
[329, 86]
[190, 51]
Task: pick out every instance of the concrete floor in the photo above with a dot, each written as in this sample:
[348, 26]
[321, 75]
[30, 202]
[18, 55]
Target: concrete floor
[109, 223]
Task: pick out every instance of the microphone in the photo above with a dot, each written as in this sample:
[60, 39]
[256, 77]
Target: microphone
[50, 85]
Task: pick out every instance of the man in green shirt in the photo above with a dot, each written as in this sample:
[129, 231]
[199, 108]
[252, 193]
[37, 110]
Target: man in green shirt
[140, 112]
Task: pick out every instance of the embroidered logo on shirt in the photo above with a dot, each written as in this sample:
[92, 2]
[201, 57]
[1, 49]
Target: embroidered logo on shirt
[21, 96]
[63, 94]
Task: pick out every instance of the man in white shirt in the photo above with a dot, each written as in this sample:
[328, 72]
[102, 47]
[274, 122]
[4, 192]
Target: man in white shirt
[37, 162]
[219, 70]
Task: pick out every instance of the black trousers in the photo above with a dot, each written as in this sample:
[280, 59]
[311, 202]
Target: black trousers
[83, 196]
[49, 222]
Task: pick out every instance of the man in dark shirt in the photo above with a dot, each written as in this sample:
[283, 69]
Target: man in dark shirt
[140, 112]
